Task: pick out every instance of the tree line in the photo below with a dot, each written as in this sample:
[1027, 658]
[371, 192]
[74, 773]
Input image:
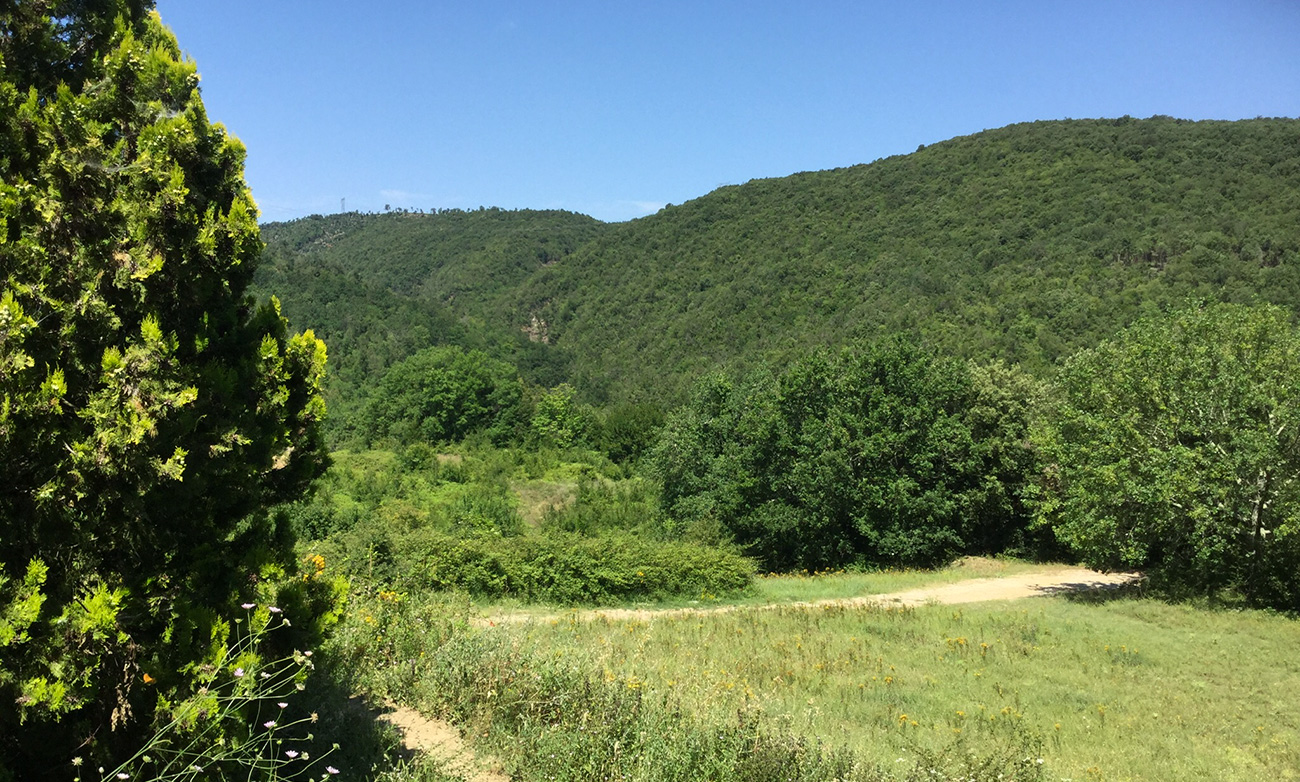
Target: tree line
[1170, 448]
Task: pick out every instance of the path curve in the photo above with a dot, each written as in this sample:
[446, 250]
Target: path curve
[440, 740]
[443, 741]
[1058, 581]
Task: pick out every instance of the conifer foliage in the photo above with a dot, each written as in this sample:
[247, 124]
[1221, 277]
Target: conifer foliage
[149, 411]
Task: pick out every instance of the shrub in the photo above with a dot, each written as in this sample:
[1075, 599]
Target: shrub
[570, 569]
[603, 505]
[240, 724]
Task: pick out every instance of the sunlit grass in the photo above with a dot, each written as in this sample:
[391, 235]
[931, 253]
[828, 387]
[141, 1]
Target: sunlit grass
[770, 589]
[800, 587]
[537, 498]
[1128, 689]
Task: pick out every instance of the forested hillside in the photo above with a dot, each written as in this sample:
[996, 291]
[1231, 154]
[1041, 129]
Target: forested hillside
[379, 288]
[1023, 243]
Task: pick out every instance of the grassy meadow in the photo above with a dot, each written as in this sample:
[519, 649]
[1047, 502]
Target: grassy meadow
[1127, 688]
[1120, 688]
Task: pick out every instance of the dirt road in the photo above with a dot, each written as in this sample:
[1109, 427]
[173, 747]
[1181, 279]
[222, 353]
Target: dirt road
[978, 590]
[443, 741]
[1058, 581]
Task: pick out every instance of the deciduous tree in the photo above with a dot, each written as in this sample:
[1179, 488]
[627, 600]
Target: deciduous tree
[878, 454]
[1176, 448]
[443, 394]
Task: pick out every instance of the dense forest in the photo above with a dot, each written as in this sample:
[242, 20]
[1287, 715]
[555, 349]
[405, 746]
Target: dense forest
[379, 288]
[1023, 243]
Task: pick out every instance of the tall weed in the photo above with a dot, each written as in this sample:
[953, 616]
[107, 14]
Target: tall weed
[549, 719]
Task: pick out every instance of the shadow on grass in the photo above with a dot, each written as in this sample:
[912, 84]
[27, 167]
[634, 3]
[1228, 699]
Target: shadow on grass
[363, 746]
[1153, 588]
[1096, 594]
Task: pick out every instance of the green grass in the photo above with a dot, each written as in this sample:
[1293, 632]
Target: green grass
[776, 588]
[1125, 689]
[800, 587]
[545, 717]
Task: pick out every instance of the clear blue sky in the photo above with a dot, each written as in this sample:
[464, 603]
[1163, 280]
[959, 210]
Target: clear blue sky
[614, 108]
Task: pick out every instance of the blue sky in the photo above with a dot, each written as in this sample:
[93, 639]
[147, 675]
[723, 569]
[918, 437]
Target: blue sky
[614, 108]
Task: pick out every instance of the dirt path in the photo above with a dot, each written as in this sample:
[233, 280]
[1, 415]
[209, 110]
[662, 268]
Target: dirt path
[975, 590]
[441, 741]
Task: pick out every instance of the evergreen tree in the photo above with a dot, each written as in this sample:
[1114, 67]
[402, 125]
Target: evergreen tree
[149, 411]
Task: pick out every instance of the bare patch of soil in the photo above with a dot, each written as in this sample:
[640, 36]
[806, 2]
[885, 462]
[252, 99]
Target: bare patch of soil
[978, 590]
[441, 741]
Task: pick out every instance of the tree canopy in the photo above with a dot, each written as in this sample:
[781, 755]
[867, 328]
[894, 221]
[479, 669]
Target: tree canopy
[1021, 244]
[874, 455]
[1175, 448]
[1024, 243]
[444, 394]
[150, 409]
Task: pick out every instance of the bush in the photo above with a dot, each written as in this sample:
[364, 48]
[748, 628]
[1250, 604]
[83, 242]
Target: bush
[240, 724]
[629, 430]
[603, 506]
[570, 569]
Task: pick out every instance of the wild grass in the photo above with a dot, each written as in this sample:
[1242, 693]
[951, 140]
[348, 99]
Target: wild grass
[1116, 690]
[539, 498]
[549, 718]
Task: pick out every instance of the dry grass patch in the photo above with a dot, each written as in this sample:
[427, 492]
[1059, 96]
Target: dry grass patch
[538, 498]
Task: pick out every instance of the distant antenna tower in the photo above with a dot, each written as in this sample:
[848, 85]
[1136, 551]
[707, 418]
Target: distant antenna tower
[343, 204]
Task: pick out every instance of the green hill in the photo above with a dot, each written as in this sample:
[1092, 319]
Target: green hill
[1023, 243]
[378, 288]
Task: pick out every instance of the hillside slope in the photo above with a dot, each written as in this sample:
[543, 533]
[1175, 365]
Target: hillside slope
[1023, 243]
[378, 288]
